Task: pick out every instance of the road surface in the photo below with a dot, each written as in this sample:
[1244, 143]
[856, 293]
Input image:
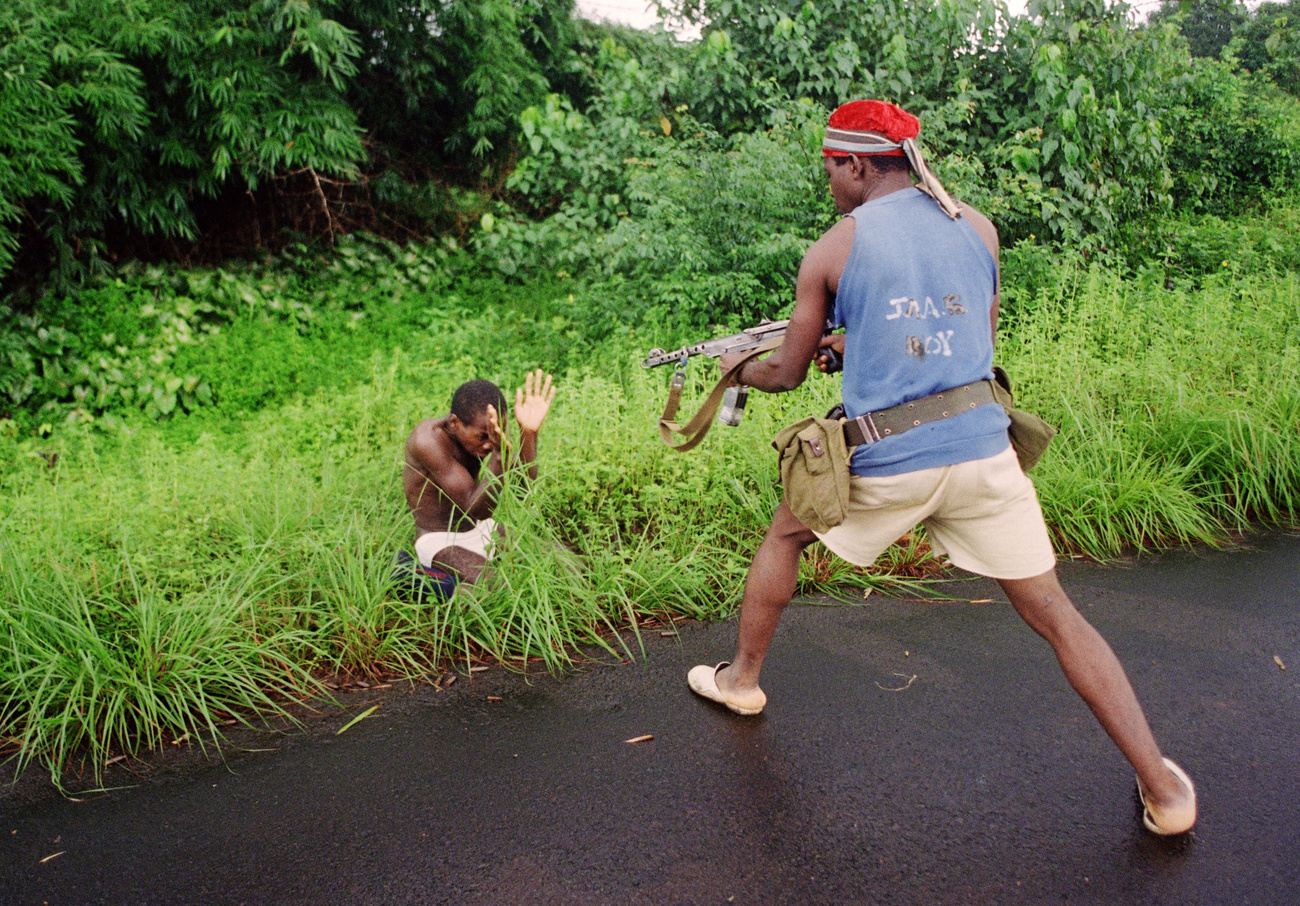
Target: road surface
[910, 753]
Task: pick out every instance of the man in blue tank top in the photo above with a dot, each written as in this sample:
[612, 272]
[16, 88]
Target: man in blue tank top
[912, 277]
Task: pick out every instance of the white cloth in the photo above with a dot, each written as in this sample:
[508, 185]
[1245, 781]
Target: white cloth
[477, 539]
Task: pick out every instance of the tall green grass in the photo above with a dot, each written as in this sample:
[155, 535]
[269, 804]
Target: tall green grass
[1177, 407]
[163, 581]
[113, 661]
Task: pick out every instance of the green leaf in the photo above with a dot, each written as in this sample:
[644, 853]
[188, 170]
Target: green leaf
[360, 717]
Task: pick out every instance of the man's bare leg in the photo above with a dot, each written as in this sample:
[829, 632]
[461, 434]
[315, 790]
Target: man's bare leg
[467, 565]
[772, 579]
[1095, 673]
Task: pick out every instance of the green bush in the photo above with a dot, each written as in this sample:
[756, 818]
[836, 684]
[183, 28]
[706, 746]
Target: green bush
[1199, 246]
[125, 112]
[440, 80]
[1233, 140]
[160, 342]
[717, 230]
[755, 55]
[123, 362]
[1268, 42]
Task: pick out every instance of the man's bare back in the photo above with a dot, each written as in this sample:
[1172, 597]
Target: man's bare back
[436, 472]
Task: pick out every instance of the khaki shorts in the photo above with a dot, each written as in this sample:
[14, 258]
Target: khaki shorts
[983, 514]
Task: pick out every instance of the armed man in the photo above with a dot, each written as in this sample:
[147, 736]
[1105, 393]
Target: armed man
[451, 476]
[912, 277]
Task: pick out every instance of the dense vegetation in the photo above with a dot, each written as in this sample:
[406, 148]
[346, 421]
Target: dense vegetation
[198, 129]
[199, 465]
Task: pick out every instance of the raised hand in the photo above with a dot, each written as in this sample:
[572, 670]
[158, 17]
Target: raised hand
[533, 401]
[494, 426]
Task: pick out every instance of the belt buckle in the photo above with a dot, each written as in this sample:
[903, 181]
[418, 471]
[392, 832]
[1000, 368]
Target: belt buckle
[870, 433]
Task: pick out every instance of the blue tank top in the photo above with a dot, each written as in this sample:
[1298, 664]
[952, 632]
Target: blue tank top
[915, 300]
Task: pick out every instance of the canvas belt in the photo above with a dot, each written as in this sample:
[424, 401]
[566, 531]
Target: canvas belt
[874, 426]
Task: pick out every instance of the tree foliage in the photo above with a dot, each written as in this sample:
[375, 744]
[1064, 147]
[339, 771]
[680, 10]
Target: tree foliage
[753, 51]
[119, 115]
[1233, 141]
[138, 127]
[1083, 95]
[1269, 42]
[1208, 25]
[441, 82]
[1265, 40]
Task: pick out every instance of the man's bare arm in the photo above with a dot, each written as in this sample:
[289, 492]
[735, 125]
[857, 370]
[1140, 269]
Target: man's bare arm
[451, 480]
[989, 234]
[532, 404]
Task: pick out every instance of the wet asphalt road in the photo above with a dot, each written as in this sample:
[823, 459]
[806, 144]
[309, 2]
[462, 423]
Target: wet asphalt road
[982, 780]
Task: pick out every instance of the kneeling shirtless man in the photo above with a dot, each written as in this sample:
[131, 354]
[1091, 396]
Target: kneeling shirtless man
[451, 495]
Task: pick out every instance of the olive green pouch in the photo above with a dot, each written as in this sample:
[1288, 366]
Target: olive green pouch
[813, 459]
[1029, 434]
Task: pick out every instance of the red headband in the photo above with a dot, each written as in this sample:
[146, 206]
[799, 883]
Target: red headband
[868, 127]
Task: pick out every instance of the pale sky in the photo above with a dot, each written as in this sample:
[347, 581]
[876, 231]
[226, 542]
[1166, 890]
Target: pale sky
[637, 13]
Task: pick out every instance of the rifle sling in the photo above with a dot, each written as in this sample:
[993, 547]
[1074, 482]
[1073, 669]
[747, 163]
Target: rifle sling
[699, 425]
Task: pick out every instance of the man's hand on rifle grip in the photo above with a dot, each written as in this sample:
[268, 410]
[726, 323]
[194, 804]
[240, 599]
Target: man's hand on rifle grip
[830, 353]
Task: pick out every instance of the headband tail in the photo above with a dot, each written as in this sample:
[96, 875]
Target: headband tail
[929, 183]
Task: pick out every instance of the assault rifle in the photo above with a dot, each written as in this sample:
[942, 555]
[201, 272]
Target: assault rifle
[763, 337]
[747, 339]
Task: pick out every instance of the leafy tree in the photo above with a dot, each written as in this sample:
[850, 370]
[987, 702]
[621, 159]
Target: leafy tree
[1080, 96]
[38, 144]
[1208, 25]
[1269, 42]
[442, 82]
[577, 165]
[1050, 121]
[120, 118]
[721, 228]
[918, 54]
[1233, 139]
